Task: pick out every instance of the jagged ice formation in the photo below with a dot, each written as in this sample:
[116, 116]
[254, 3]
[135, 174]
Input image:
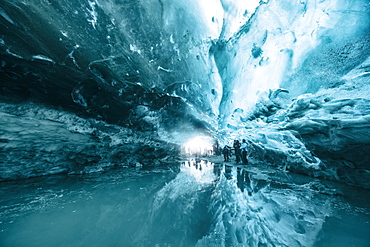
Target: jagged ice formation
[290, 76]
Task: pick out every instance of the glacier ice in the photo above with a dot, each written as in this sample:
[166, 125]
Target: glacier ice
[229, 68]
[105, 94]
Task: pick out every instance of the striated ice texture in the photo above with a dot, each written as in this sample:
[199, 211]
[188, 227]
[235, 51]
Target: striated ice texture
[292, 77]
[88, 87]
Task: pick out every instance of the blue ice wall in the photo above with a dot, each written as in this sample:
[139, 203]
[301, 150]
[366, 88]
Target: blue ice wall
[217, 56]
[276, 72]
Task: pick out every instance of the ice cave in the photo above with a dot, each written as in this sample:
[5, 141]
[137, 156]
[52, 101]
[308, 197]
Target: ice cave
[114, 115]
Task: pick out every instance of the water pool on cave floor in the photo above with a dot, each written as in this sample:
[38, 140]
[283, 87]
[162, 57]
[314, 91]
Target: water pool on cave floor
[201, 204]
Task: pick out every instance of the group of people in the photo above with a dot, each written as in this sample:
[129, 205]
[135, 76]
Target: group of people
[240, 149]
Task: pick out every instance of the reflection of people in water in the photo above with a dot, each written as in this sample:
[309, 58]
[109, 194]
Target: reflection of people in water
[217, 169]
[243, 181]
[228, 173]
[240, 179]
[244, 150]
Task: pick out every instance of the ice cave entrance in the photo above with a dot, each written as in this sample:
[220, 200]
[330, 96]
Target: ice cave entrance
[199, 145]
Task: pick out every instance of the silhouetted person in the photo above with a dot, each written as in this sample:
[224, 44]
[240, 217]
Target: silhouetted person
[216, 148]
[226, 151]
[244, 150]
[236, 146]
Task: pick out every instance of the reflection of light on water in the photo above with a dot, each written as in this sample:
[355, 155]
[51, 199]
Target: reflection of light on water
[201, 171]
[199, 145]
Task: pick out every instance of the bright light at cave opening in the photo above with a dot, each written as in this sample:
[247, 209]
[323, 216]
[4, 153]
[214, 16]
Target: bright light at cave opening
[200, 145]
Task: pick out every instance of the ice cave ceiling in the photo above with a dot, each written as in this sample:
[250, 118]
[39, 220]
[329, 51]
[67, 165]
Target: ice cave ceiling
[108, 57]
[221, 64]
